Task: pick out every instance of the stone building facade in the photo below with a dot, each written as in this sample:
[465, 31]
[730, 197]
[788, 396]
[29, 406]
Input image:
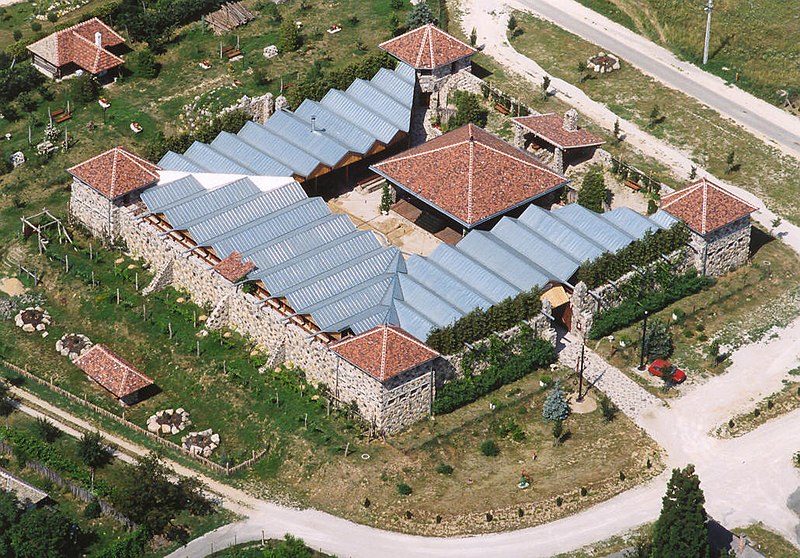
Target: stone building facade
[722, 250]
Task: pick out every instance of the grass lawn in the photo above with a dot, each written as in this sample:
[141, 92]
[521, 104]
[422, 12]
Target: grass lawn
[768, 543]
[270, 548]
[685, 123]
[740, 308]
[756, 40]
[779, 403]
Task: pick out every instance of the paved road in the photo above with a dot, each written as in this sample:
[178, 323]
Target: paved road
[769, 122]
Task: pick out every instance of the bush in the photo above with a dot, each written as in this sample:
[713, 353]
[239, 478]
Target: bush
[143, 63]
[403, 489]
[632, 309]
[52, 17]
[638, 253]
[85, 88]
[17, 34]
[46, 430]
[489, 448]
[92, 509]
[555, 406]
[36, 26]
[444, 469]
[289, 38]
[593, 192]
[480, 324]
[468, 110]
[459, 392]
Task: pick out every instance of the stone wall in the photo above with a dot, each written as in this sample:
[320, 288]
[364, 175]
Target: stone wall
[462, 80]
[379, 404]
[93, 210]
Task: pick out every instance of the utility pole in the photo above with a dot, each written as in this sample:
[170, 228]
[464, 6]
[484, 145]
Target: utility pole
[709, 8]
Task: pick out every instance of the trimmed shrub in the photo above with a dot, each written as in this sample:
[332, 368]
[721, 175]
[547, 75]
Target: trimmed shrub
[444, 469]
[403, 489]
[489, 448]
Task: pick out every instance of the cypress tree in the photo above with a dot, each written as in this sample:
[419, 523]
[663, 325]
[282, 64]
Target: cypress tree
[681, 528]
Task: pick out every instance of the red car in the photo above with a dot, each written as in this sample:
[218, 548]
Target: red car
[660, 366]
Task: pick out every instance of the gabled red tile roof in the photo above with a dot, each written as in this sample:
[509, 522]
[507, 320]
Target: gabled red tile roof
[234, 267]
[384, 351]
[705, 207]
[76, 45]
[111, 371]
[116, 172]
[427, 47]
[551, 128]
[470, 174]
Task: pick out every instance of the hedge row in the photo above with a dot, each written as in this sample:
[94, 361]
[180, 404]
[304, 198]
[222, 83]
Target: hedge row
[480, 324]
[613, 265]
[39, 451]
[633, 308]
[132, 545]
[459, 392]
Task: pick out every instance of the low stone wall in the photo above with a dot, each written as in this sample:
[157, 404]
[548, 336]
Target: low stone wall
[244, 313]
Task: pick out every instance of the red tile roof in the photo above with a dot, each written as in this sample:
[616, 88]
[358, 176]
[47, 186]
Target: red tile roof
[116, 172]
[76, 45]
[705, 207]
[384, 351]
[427, 47]
[470, 174]
[234, 267]
[111, 371]
[551, 128]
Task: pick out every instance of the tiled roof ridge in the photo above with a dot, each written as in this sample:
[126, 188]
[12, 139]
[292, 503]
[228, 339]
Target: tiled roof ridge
[114, 173]
[537, 164]
[384, 350]
[82, 24]
[99, 50]
[100, 347]
[419, 153]
[704, 212]
[429, 37]
[470, 173]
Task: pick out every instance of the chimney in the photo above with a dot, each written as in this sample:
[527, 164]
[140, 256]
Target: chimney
[313, 123]
[571, 120]
[98, 39]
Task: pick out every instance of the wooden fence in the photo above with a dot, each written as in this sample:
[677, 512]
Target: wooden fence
[217, 468]
[77, 491]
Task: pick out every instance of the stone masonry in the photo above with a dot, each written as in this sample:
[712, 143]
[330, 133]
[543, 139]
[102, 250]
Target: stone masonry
[96, 212]
[723, 250]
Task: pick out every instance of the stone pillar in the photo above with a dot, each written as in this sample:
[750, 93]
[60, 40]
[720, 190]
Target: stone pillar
[281, 103]
[558, 160]
[269, 106]
[571, 120]
[519, 136]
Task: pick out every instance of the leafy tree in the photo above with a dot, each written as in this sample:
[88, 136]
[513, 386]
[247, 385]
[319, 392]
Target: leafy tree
[386, 197]
[730, 162]
[658, 340]
[512, 23]
[468, 109]
[17, 34]
[289, 38]
[9, 516]
[693, 173]
[555, 406]
[46, 430]
[147, 496]
[545, 87]
[93, 452]
[143, 63]
[473, 36]
[85, 88]
[681, 528]
[654, 118]
[27, 102]
[593, 192]
[92, 509]
[44, 533]
[420, 15]
[5, 403]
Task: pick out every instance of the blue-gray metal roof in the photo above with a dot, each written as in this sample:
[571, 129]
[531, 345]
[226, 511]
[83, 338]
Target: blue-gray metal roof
[408, 73]
[663, 218]
[452, 289]
[276, 147]
[412, 321]
[536, 248]
[355, 138]
[594, 226]
[482, 279]
[176, 162]
[210, 158]
[561, 234]
[633, 223]
[427, 302]
[368, 118]
[235, 148]
[197, 206]
[368, 94]
[294, 129]
[395, 86]
[165, 195]
[494, 254]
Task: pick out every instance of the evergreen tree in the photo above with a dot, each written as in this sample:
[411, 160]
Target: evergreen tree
[681, 529]
[143, 63]
[658, 340]
[386, 197]
[419, 16]
[555, 407]
[289, 38]
[5, 403]
[593, 191]
[85, 88]
[473, 37]
[468, 109]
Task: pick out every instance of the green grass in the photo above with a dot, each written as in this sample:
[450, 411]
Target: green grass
[770, 544]
[687, 124]
[756, 40]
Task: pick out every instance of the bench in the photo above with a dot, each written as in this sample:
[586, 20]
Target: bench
[63, 118]
[228, 49]
[502, 109]
[234, 54]
[635, 186]
[58, 112]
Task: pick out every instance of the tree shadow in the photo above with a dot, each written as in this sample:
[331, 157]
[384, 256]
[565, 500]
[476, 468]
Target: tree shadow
[726, 40]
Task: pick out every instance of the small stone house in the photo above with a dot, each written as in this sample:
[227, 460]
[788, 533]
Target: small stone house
[91, 46]
[114, 374]
[719, 223]
[103, 184]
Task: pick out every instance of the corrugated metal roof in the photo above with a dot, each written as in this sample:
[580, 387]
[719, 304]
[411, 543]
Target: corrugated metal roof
[663, 218]
[197, 206]
[451, 288]
[536, 248]
[428, 303]
[352, 109]
[276, 147]
[369, 95]
[635, 224]
[561, 234]
[506, 262]
[481, 279]
[336, 313]
[412, 321]
[164, 195]
[395, 86]
[594, 226]
[406, 72]
[237, 149]
[356, 139]
[297, 131]
[210, 158]
[176, 162]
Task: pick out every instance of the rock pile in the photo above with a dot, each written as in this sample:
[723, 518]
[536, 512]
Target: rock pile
[73, 345]
[169, 421]
[603, 63]
[201, 443]
[32, 319]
